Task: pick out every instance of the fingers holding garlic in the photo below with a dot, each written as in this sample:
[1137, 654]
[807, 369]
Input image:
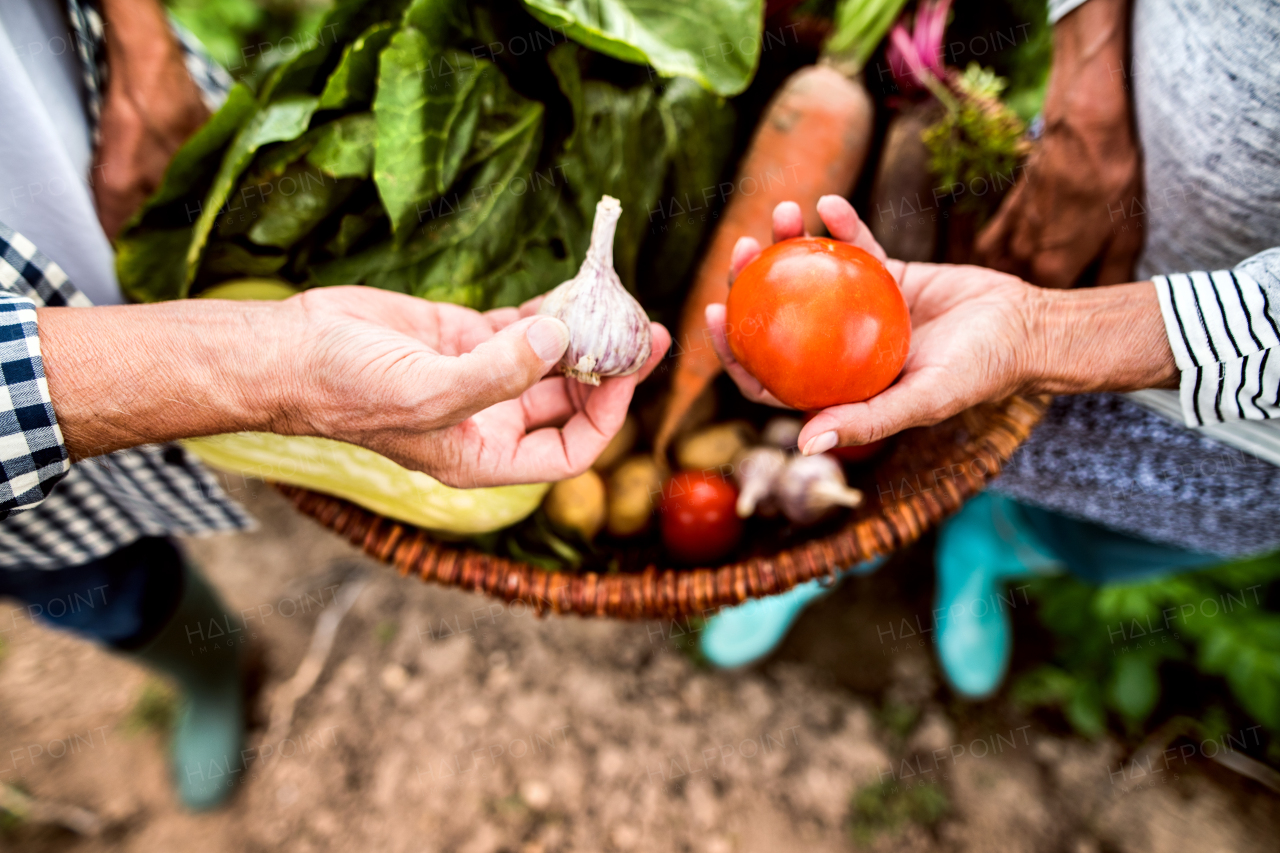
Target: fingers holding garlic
[609, 332]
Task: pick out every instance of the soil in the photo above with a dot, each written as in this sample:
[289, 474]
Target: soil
[445, 721]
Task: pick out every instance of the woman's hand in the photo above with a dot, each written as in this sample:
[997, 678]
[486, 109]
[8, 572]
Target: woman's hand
[1072, 206]
[461, 395]
[976, 336]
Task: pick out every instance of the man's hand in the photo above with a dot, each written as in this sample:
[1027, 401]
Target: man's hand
[458, 394]
[1071, 207]
[461, 395]
[150, 107]
[976, 336]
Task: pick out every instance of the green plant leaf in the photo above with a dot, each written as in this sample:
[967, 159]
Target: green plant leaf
[426, 117]
[303, 197]
[306, 71]
[343, 148]
[715, 42]
[476, 223]
[281, 121]
[351, 83]
[225, 259]
[1135, 687]
[151, 263]
[195, 162]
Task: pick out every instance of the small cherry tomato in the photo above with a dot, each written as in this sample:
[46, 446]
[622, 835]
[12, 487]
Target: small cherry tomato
[855, 452]
[699, 523]
[818, 322]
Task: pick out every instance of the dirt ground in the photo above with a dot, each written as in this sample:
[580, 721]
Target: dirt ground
[444, 721]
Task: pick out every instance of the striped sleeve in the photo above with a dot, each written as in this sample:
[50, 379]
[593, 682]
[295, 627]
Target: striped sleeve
[1224, 328]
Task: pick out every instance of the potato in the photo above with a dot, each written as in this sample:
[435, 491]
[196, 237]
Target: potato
[713, 447]
[577, 504]
[634, 490]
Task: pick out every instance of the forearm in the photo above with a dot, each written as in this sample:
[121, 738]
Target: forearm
[126, 375]
[1087, 86]
[1099, 339]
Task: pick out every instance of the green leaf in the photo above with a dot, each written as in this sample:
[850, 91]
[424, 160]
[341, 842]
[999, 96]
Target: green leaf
[303, 196]
[468, 232]
[151, 263]
[1135, 687]
[351, 83]
[344, 148]
[351, 228]
[699, 130]
[1085, 712]
[197, 159]
[619, 147]
[226, 259]
[715, 42]
[302, 73]
[426, 117]
[281, 121]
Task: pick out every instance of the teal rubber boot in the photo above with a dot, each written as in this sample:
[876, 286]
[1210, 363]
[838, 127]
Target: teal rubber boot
[200, 649]
[980, 549]
[741, 635]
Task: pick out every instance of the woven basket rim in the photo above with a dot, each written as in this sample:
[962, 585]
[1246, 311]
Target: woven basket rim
[682, 592]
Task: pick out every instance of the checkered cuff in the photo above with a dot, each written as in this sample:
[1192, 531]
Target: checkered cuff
[32, 456]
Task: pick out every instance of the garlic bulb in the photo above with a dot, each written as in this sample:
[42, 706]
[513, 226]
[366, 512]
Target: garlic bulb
[756, 472]
[810, 486]
[782, 432]
[608, 330]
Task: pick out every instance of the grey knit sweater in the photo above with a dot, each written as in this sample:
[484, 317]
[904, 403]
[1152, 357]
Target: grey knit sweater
[1205, 82]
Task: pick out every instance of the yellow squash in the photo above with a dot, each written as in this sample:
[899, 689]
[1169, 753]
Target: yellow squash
[354, 473]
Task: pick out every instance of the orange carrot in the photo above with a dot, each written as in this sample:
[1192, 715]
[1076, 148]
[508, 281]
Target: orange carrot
[811, 142]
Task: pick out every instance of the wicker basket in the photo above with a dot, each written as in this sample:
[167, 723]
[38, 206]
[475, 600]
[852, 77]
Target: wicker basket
[929, 475]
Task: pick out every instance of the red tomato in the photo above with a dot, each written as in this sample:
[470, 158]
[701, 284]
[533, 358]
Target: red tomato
[855, 452]
[818, 322]
[699, 523]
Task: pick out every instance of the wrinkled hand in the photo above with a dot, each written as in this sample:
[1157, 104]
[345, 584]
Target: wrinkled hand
[970, 338]
[1073, 204]
[150, 107]
[461, 395]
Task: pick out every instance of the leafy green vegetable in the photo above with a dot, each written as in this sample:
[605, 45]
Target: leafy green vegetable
[1115, 642]
[716, 42]
[426, 114]
[352, 82]
[977, 139]
[344, 148]
[389, 153]
[281, 121]
[151, 265]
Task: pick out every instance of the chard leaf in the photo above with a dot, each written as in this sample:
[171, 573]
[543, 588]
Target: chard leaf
[195, 162]
[151, 263]
[618, 146]
[302, 196]
[302, 73]
[477, 218]
[351, 228]
[426, 116]
[699, 130]
[344, 147]
[281, 121]
[227, 259]
[351, 83]
[715, 42]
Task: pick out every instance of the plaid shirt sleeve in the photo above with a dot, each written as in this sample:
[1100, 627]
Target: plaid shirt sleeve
[33, 457]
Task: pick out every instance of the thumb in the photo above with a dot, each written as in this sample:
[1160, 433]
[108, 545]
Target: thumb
[506, 365]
